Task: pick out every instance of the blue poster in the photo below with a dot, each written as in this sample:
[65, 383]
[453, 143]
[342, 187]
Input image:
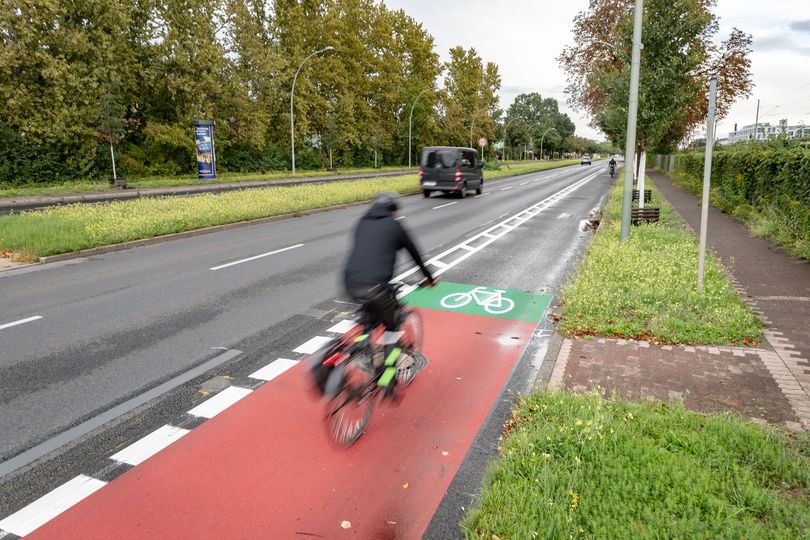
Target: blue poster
[206, 157]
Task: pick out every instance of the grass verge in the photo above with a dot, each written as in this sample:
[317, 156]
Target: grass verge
[646, 287]
[578, 466]
[64, 229]
[87, 186]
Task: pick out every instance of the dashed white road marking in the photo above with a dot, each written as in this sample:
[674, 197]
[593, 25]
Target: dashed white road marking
[564, 215]
[221, 266]
[312, 345]
[505, 188]
[523, 183]
[443, 205]
[21, 321]
[273, 369]
[218, 403]
[141, 450]
[343, 326]
[30, 518]
[484, 194]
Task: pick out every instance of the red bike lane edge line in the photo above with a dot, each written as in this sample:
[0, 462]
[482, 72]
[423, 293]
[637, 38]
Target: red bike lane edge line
[264, 467]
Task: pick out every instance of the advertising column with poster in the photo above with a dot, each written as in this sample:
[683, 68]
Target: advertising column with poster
[206, 156]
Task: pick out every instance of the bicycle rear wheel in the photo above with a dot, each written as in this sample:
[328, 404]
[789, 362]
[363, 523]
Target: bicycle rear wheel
[349, 412]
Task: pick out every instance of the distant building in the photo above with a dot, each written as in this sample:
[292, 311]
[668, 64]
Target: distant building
[766, 131]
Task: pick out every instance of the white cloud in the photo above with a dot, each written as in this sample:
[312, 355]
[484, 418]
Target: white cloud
[524, 37]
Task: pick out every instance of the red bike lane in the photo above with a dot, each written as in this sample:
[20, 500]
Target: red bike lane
[265, 467]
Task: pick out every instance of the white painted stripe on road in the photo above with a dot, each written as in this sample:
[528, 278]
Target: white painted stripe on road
[255, 257]
[523, 183]
[30, 518]
[564, 215]
[505, 188]
[443, 205]
[273, 369]
[484, 194]
[212, 407]
[141, 450]
[21, 321]
[520, 217]
[343, 326]
[312, 345]
[438, 264]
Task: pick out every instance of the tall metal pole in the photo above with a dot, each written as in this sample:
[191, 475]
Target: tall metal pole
[756, 122]
[632, 112]
[541, 141]
[410, 123]
[472, 124]
[292, 95]
[707, 176]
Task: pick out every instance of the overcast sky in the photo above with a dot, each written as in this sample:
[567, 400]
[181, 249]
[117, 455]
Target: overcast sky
[524, 37]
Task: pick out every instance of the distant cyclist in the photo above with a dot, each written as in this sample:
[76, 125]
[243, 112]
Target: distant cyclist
[369, 269]
[612, 164]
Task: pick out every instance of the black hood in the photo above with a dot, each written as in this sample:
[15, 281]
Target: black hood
[379, 209]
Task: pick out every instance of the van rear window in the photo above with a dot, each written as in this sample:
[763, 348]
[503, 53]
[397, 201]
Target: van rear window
[440, 158]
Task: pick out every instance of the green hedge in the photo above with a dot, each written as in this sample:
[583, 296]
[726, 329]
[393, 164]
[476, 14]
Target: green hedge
[767, 186]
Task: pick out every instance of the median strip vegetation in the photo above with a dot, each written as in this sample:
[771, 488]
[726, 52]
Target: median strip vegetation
[646, 287]
[578, 466]
[64, 229]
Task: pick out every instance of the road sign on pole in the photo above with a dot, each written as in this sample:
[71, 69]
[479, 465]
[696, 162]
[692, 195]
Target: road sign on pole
[482, 142]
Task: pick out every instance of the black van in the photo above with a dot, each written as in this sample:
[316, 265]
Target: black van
[452, 170]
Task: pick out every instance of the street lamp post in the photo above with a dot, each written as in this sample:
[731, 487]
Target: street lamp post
[472, 125]
[292, 95]
[632, 112]
[505, 132]
[541, 143]
[410, 123]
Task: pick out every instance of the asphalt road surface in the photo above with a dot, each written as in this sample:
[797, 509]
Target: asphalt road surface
[83, 336]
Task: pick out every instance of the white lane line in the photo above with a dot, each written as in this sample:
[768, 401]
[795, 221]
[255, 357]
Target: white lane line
[273, 369]
[505, 188]
[520, 217]
[212, 407]
[221, 266]
[484, 194]
[312, 345]
[438, 264]
[564, 215]
[30, 518]
[21, 321]
[141, 450]
[523, 183]
[443, 205]
[343, 326]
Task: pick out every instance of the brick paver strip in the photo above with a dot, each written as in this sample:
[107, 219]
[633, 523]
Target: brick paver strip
[772, 282]
[705, 382]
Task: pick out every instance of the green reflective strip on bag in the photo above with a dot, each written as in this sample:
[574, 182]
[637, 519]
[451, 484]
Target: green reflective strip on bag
[386, 377]
[392, 356]
[358, 339]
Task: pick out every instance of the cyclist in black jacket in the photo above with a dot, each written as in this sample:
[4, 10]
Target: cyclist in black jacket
[370, 267]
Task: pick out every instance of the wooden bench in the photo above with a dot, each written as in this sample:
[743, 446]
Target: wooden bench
[648, 214]
[647, 195]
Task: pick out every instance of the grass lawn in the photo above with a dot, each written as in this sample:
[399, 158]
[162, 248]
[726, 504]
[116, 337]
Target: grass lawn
[646, 287]
[578, 466]
[63, 229]
[87, 186]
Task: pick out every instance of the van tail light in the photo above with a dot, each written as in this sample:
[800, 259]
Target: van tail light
[458, 175]
[420, 173]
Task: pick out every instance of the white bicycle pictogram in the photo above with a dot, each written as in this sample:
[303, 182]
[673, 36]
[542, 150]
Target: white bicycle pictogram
[493, 301]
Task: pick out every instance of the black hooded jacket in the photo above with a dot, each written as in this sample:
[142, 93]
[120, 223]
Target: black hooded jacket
[377, 239]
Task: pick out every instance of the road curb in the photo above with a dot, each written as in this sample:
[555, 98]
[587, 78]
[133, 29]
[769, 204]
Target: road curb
[219, 228]
[189, 234]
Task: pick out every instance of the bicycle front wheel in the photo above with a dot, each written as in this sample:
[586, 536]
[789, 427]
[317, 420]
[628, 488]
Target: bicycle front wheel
[456, 300]
[504, 306]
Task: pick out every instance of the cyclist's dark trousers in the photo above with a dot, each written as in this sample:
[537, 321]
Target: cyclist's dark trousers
[380, 306]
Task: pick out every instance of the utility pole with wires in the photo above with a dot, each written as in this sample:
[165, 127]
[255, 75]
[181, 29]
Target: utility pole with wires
[756, 122]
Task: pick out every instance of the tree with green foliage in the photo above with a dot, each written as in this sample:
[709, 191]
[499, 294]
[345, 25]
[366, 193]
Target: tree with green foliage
[678, 57]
